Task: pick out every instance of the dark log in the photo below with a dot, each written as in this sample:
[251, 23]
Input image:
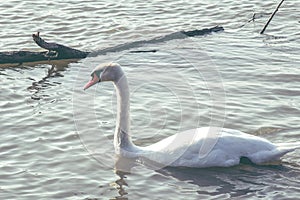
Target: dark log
[55, 52]
[59, 51]
[22, 56]
[62, 52]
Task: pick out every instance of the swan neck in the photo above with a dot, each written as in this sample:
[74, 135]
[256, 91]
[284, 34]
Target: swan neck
[122, 137]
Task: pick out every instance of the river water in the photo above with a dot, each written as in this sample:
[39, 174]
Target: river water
[56, 139]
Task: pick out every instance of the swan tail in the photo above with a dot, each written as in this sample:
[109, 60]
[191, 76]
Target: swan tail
[288, 146]
[264, 157]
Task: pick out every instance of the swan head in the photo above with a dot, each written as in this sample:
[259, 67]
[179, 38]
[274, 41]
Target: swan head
[105, 72]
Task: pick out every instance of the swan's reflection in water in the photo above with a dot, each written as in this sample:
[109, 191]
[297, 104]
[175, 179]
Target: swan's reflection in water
[246, 179]
[120, 185]
[123, 168]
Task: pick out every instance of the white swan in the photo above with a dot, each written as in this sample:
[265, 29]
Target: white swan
[183, 149]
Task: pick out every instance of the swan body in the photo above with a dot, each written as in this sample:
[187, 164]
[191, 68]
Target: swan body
[185, 149]
[231, 145]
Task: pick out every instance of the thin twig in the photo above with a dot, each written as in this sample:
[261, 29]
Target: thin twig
[262, 31]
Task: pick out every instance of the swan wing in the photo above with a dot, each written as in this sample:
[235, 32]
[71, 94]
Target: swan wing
[224, 148]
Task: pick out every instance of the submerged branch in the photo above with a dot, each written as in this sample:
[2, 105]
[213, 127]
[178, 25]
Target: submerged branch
[263, 30]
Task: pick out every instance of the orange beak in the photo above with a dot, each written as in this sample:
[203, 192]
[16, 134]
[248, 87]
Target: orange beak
[92, 82]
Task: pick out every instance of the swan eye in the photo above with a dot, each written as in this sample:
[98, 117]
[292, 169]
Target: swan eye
[97, 73]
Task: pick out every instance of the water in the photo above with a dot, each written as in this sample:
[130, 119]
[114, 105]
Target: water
[56, 140]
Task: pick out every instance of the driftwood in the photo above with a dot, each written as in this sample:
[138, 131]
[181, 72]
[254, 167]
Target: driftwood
[55, 52]
[61, 52]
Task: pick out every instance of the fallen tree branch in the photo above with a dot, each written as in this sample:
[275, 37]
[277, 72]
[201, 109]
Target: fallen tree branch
[55, 52]
[61, 52]
[263, 30]
[22, 56]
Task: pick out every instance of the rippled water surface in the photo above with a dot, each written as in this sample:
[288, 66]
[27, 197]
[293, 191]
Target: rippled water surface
[56, 139]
